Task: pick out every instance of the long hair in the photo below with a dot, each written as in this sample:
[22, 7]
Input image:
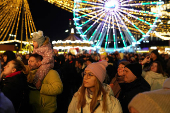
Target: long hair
[159, 67]
[97, 92]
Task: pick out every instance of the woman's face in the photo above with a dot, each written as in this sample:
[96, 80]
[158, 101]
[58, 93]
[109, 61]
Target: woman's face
[120, 70]
[154, 67]
[107, 59]
[5, 58]
[89, 80]
[96, 58]
[9, 68]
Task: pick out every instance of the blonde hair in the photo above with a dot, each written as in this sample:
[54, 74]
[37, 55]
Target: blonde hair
[97, 92]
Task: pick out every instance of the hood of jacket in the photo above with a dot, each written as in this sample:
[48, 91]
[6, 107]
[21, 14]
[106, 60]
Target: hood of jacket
[155, 75]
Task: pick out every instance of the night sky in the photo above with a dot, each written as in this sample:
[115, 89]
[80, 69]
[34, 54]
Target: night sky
[52, 20]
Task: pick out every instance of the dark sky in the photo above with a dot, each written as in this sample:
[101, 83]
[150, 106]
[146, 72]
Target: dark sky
[52, 20]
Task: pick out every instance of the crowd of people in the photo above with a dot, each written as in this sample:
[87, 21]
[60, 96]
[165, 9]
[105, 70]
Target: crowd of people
[46, 82]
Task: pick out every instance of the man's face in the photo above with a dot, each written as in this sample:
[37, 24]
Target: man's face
[33, 63]
[153, 56]
[129, 76]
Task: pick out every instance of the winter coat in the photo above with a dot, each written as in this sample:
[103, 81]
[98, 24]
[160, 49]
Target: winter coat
[112, 103]
[48, 60]
[14, 87]
[6, 105]
[46, 52]
[155, 80]
[129, 90]
[44, 101]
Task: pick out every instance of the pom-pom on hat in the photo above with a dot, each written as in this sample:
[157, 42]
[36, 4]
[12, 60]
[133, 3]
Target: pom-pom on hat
[135, 68]
[98, 69]
[39, 38]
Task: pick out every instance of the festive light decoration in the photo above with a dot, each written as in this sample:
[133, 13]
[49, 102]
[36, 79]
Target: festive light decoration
[103, 21]
[64, 4]
[162, 9]
[163, 35]
[13, 15]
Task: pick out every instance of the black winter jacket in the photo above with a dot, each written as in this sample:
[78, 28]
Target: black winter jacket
[129, 90]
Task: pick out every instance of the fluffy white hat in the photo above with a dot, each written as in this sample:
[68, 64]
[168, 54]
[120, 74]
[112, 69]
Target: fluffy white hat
[39, 38]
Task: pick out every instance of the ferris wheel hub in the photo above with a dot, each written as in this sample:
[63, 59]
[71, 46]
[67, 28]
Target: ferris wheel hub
[112, 5]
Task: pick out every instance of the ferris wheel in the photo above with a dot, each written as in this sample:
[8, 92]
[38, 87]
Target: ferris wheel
[110, 22]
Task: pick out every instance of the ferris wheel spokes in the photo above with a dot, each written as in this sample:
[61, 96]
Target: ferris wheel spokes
[136, 17]
[95, 20]
[101, 1]
[93, 24]
[145, 3]
[124, 43]
[90, 19]
[93, 3]
[132, 23]
[133, 39]
[87, 8]
[126, 1]
[108, 29]
[139, 11]
[94, 33]
[114, 35]
[102, 31]
[89, 14]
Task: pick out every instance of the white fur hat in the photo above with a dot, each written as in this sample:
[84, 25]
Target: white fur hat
[39, 38]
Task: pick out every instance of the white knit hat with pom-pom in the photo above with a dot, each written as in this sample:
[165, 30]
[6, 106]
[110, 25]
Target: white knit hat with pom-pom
[39, 38]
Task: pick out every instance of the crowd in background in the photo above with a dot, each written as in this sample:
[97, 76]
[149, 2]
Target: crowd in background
[152, 67]
[45, 82]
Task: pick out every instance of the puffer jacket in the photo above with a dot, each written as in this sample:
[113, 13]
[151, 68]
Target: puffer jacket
[155, 80]
[46, 52]
[112, 103]
[44, 101]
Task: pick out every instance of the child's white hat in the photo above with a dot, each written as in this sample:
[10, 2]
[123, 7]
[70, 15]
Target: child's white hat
[39, 38]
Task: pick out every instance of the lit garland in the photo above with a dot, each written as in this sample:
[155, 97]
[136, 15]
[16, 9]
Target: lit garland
[12, 14]
[64, 4]
[163, 35]
[162, 9]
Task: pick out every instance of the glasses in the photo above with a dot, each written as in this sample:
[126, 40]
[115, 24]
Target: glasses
[88, 75]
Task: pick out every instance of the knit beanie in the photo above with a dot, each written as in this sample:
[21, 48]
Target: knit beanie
[157, 101]
[155, 52]
[166, 83]
[39, 38]
[135, 68]
[98, 69]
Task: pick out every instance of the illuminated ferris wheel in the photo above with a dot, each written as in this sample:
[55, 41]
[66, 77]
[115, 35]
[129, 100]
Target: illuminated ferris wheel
[110, 22]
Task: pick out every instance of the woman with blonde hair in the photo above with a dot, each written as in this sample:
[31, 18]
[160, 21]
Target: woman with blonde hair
[94, 96]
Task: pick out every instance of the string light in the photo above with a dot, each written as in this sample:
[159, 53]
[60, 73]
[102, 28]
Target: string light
[11, 12]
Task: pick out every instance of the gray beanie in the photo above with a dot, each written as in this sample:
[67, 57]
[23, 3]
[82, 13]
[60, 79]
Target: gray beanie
[39, 38]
